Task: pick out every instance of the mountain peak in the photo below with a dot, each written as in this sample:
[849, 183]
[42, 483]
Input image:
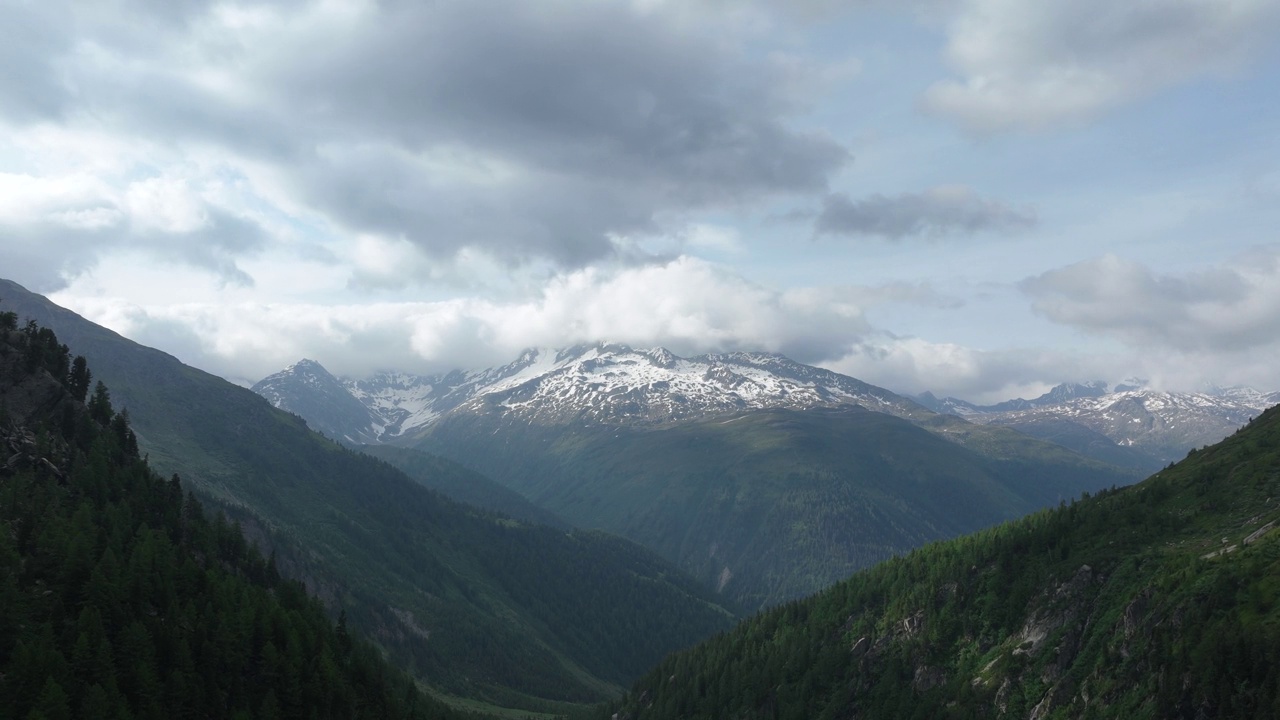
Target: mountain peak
[608, 383]
[306, 365]
[307, 389]
[662, 357]
[1070, 391]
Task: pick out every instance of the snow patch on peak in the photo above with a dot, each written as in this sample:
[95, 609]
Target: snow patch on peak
[662, 357]
[607, 383]
[1164, 424]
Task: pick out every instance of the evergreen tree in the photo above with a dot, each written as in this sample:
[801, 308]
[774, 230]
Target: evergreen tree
[78, 381]
[120, 599]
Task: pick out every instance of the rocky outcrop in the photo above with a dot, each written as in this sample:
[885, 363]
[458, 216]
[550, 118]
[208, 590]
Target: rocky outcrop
[928, 677]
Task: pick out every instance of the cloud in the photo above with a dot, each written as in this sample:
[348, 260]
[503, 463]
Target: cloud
[1034, 65]
[1221, 310]
[688, 305]
[552, 127]
[914, 365]
[530, 133]
[30, 41]
[54, 227]
[693, 306]
[932, 213]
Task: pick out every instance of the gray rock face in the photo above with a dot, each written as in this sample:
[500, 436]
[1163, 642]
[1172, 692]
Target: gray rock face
[308, 390]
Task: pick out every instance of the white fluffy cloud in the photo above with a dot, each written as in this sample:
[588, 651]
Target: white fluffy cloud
[687, 305]
[1031, 65]
[1180, 332]
[914, 365]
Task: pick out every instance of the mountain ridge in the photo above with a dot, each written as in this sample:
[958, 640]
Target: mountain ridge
[1142, 427]
[606, 383]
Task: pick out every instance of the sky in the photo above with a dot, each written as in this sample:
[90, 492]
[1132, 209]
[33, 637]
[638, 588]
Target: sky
[980, 198]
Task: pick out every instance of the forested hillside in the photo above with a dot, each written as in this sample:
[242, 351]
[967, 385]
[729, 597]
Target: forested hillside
[1160, 600]
[771, 505]
[474, 604]
[461, 484]
[119, 598]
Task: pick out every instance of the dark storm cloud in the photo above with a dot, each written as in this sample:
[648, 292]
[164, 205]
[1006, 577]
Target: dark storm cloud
[608, 120]
[563, 218]
[933, 213]
[528, 131]
[592, 88]
[40, 42]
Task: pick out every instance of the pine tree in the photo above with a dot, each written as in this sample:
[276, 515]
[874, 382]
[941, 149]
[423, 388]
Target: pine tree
[78, 381]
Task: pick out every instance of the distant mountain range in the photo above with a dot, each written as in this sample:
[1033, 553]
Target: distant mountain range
[1129, 425]
[606, 384]
[766, 478]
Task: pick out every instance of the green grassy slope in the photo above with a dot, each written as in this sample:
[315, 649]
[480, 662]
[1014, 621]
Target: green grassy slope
[773, 505]
[475, 604]
[1159, 600]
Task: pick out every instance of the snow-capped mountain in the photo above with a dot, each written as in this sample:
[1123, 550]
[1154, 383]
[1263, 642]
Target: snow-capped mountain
[609, 384]
[1065, 392]
[1161, 425]
[308, 390]
[617, 385]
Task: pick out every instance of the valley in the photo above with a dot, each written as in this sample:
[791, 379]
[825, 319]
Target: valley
[639, 360]
[764, 478]
[475, 604]
[775, 529]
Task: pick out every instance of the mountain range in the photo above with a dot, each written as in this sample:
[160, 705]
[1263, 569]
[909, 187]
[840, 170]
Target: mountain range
[765, 478]
[601, 384]
[1129, 425]
[474, 604]
[762, 478]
